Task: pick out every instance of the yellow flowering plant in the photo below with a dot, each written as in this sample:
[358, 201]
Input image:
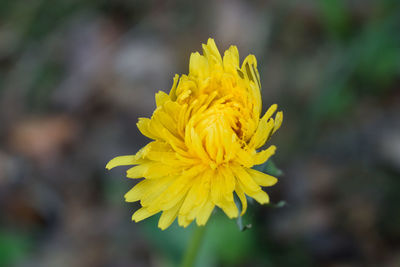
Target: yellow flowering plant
[206, 137]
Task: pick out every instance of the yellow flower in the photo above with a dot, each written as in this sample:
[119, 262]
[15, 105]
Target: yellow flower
[206, 134]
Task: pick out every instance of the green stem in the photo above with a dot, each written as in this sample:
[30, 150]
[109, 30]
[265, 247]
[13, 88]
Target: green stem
[194, 246]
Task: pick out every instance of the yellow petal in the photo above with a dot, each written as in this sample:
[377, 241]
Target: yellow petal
[260, 196]
[165, 120]
[204, 213]
[229, 182]
[168, 217]
[156, 188]
[163, 153]
[142, 214]
[217, 188]
[138, 191]
[198, 66]
[158, 170]
[161, 98]
[240, 193]
[176, 191]
[144, 127]
[137, 171]
[210, 50]
[270, 111]
[264, 128]
[264, 155]
[245, 180]
[191, 197]
[173, 109]
[120, 161]
[263, 132]
[230, 208]
[198, 146]
[231, 59]
[172, 93]
[184, 221]
[278, 121]
[261, 178]
[248, 68]
[244, 158]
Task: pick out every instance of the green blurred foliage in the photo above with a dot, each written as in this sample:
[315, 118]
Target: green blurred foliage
[365, 63]
[223, 241]
[335, 17]
[13, 247]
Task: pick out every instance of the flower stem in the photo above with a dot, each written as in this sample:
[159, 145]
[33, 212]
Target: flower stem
[194, 246]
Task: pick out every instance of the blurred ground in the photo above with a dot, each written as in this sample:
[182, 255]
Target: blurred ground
[76, 75]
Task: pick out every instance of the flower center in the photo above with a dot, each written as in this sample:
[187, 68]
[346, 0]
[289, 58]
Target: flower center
[219, 129]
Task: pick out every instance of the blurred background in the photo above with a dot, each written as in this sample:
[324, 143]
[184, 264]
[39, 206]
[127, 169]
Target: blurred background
[76, 75]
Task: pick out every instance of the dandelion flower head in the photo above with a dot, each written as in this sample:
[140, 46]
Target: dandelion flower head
[206, 137]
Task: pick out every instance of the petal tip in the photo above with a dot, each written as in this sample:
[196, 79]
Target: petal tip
[109, 165]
